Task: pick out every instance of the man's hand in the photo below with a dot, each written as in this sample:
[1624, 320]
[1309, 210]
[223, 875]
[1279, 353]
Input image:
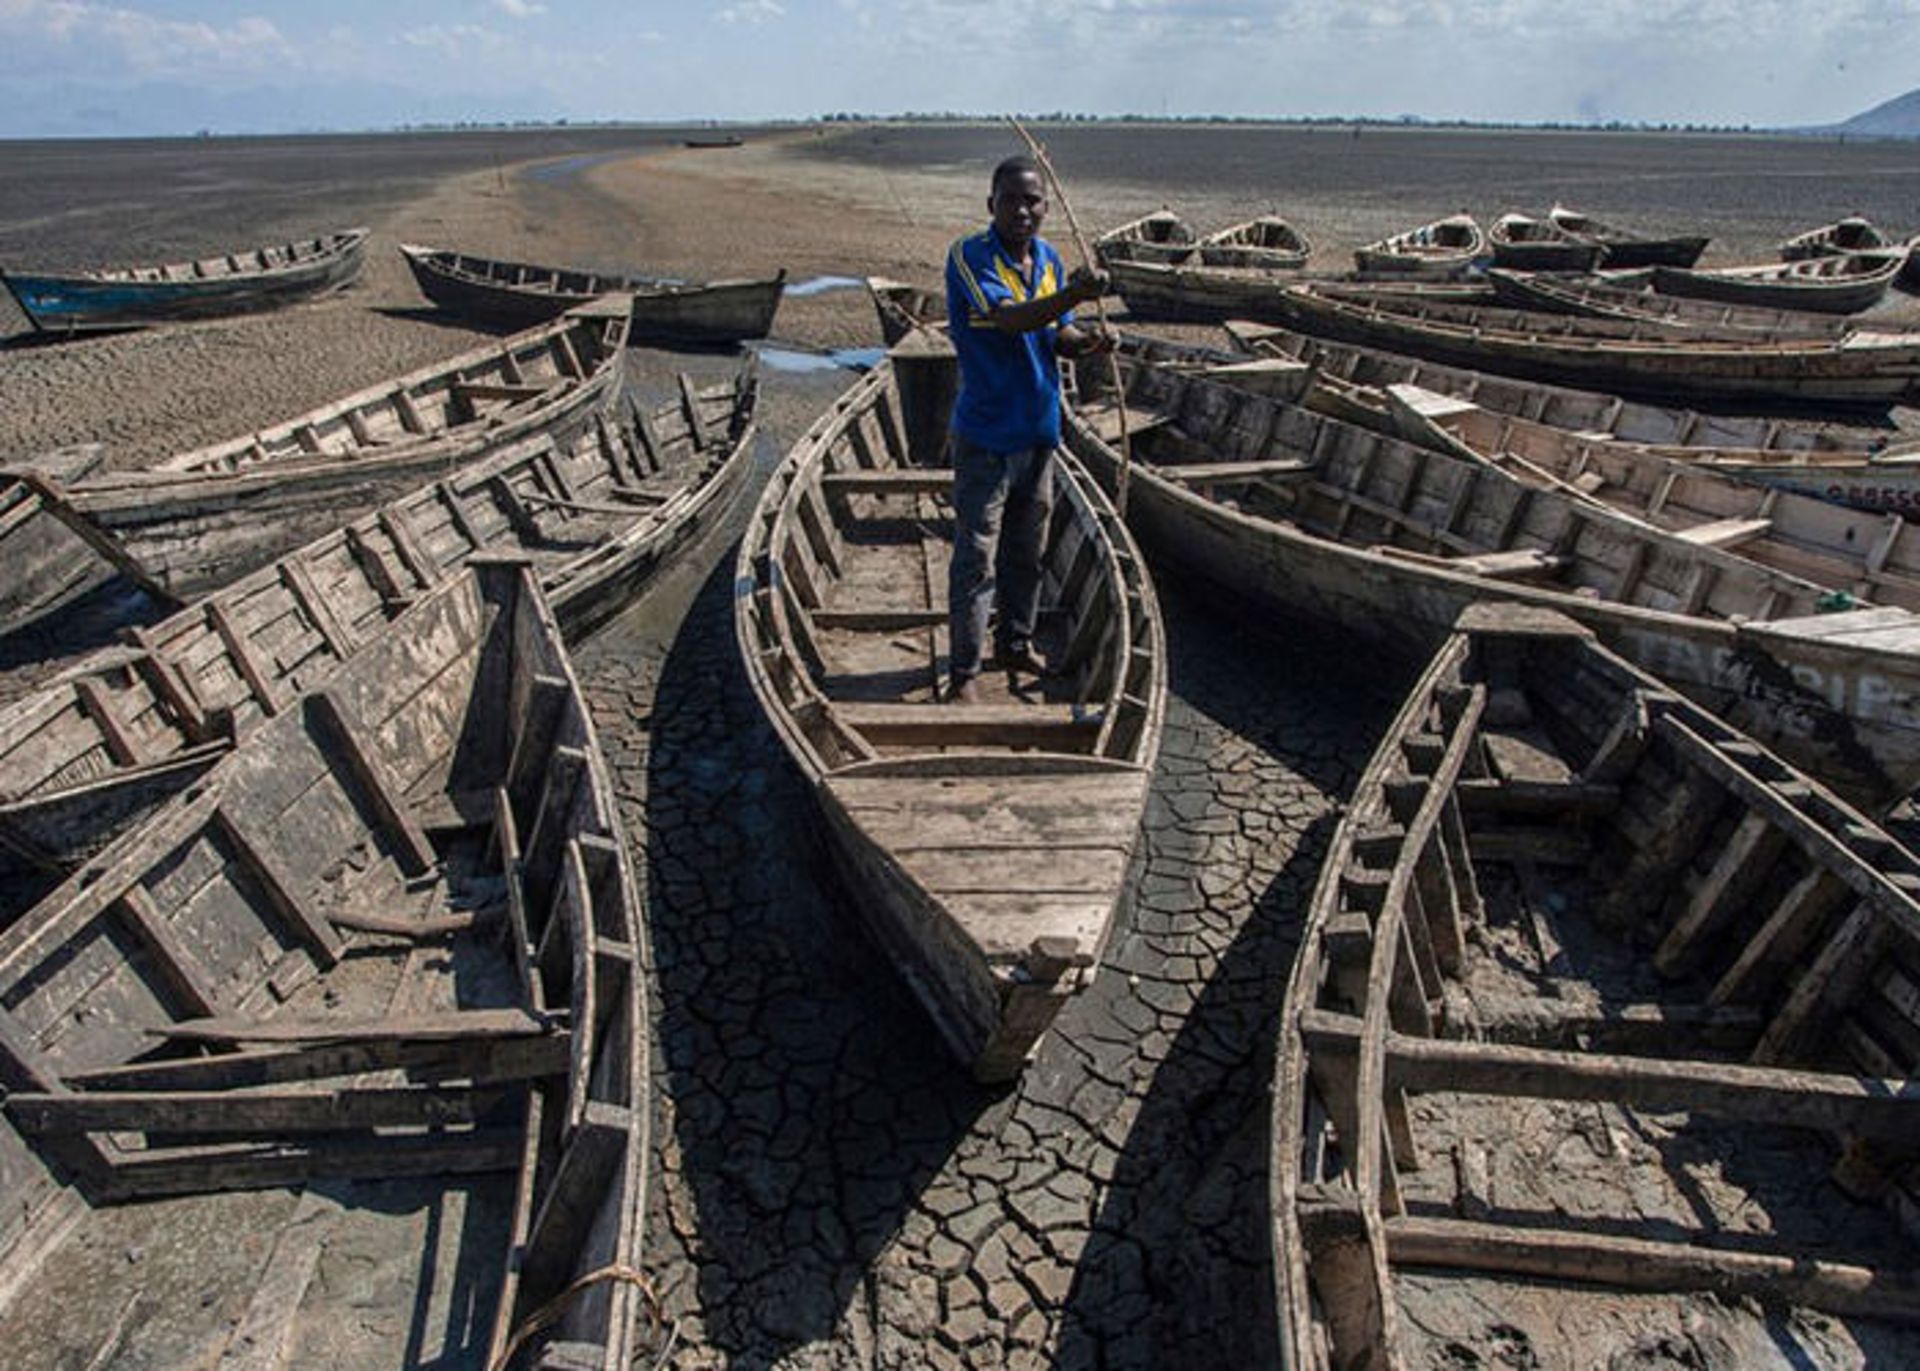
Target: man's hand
[1099, 340]
[1084, 283]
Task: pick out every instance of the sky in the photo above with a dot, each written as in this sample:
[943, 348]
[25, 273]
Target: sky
[176, 66]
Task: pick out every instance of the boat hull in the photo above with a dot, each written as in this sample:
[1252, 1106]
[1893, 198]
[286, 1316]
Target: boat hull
[661, 312]
[1845, 710]
[78, 304]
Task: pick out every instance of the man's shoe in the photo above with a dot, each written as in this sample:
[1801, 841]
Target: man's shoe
[963, 692]
[1021, 658]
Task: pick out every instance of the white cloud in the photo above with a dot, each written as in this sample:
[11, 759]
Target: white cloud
[752, 12]
[519, 9]
[454, 41]
[148, 45]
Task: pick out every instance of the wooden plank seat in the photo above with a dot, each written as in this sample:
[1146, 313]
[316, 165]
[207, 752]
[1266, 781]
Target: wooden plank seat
[1060, 727]
[889, 481]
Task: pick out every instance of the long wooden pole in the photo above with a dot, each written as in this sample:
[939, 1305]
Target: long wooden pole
[1087, 260]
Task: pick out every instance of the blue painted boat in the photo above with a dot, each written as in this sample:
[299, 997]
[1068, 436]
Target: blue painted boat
[236, 283]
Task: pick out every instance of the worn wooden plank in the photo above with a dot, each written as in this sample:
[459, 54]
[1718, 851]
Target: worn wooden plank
[416, 854]
[314, 931]
[198, 1170]
[463, 1025]
[275, 1111]
[475, 1059]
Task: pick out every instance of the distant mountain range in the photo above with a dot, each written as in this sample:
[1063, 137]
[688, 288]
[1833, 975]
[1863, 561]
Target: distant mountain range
[1896, 118]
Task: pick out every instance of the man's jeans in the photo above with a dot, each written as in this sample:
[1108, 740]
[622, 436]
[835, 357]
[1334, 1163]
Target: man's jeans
[1001, 504]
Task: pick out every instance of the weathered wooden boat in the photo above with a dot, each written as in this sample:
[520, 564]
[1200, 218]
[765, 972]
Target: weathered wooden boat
[1350, 384]
[86, 754]
[1863, 368]
[1444, 247]
[1842, 284]
[1705, 495]
[1525, 243]
[726, 140]
[1382, 539]
[517, 295]
[1162, 236]
[1198, 293]
[1606, 297]
[988, 845]
[1852, 234]
[236, 283]
[396, 933]
[1560, 885]
[202, 518]
[1268, 243]
[903, 308]
[1627, 249]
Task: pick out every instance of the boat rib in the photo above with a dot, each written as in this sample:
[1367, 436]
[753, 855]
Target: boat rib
[236, 995]
[989, 843]
[1559, 884]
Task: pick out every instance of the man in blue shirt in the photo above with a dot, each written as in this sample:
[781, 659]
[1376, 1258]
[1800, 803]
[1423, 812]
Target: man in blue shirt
[1010, 311]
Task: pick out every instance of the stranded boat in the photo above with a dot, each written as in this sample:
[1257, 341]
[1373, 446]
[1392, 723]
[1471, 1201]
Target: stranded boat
[1162, 236]
[1561, 895]
[516, 295]
[1267, 243]
[1307, 516]
[1862, 368]
[989, 843]
[236, 283]
[1525, 243]
[1626, 249]
[1350, 384]
[1611, 295]
[395, 933]
[203, 518]
[1843, 284]
[1444, 247]
[84, 755]
[1852, 234]
[1724, 496]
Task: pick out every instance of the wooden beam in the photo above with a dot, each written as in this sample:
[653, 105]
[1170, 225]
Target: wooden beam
[463, 1025]
[416, 852]
[879, 620]
[265, 690]
[226, 1111]
[889, 481]
[248, 1166]
[1632, 1263]
[479, 1060]
[314, 931]
[1055, 728]
[1803, 1099]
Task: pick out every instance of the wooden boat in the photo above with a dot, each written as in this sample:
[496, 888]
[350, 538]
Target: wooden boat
[1525, 243]
[1194, 292]
[1703, 495]
[84, 755]
[1382, 539]
[1852, 234]
[1162, 236]
[1863, 368]
[1910, 277]
[728, 140]
[989, 844]
[516, 295]
[1626, 249]
[1268, 243]
[297, 971]
[1350, 384]
[1843, 284]
[203, 518]
[1606, 297]
[904, 308]
[1559, 885]
[236, 283]
[1443, 247]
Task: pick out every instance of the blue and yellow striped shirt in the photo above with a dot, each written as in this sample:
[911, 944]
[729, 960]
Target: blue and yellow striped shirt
[1009, 382]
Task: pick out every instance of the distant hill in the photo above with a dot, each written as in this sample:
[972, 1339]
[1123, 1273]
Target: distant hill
[1897, 118]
